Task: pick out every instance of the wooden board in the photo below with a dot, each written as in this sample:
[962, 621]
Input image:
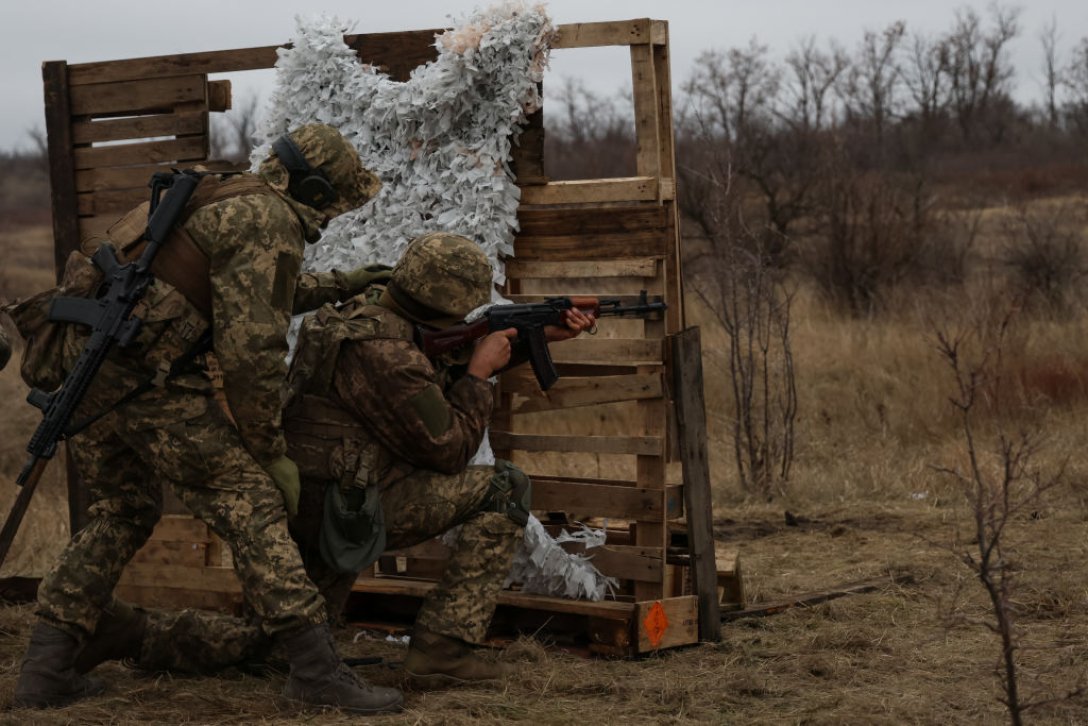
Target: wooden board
[681, 617]
[598, 220]
[555, 495]
[647, 445]
[634, 267]
[138, 127]
[600, 246]
[576, 392]
[133, 97]
[599, 191]
[189, 148]
[611, 351]
[623, 32]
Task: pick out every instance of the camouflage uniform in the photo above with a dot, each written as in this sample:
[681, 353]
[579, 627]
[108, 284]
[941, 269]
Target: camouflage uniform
[389, 418]
[177, 432]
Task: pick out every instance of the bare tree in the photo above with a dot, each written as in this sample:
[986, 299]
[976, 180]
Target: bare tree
[925, 76]
[870, 89]
[591, 136]
[997, 491]
[980, 71]
[1052, 72]
[812, 76]
[1075, 80]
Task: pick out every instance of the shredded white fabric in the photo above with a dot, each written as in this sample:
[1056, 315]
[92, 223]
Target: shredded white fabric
[440, 142]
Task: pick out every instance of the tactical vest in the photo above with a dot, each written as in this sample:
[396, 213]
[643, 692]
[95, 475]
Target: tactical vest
[324, 440]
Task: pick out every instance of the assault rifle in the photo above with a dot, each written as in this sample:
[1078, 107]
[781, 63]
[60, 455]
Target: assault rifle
[529, 319]
[110, 319]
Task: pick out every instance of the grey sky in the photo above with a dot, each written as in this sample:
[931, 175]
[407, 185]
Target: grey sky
[93, 30]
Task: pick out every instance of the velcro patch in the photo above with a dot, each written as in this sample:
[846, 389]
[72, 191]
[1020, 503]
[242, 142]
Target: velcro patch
[431, 407]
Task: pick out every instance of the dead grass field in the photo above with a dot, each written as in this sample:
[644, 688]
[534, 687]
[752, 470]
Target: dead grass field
[874, 421]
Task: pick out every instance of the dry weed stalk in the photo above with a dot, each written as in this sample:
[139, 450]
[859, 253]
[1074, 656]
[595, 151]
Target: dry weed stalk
[996, 498]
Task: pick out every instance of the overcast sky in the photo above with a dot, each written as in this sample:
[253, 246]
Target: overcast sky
[94, 30]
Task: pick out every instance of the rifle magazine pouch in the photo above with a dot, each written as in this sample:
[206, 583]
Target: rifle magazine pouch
[44, 364]
[353, 527]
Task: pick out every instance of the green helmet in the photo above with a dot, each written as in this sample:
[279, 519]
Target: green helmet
[440, 279]
[324, 148]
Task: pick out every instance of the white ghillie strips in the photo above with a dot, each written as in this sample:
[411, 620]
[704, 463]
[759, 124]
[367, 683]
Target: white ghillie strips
[440, 142]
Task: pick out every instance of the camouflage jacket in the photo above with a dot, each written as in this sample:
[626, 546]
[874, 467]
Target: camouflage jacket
[411, 412]
[254, 244]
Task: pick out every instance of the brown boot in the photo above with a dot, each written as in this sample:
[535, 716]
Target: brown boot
[434, 659]
[47, 677]
[319, 678]
[119, 635]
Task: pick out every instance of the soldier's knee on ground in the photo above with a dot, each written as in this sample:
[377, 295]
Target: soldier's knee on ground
[510, 492]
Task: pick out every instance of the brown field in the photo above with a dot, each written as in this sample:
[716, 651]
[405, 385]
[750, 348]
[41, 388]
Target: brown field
[866, 501]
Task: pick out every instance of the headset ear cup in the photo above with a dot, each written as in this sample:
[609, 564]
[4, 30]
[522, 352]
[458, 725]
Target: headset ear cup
[315, 191]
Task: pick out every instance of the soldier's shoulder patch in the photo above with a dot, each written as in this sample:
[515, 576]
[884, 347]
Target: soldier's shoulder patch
[433, 409]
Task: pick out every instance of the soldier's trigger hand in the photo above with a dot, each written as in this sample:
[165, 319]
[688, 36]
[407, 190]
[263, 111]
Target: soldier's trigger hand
[357, 280]
[285, 476]
[492, 353]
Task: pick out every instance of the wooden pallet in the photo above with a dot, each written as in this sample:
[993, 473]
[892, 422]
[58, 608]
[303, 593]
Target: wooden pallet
[632, 447]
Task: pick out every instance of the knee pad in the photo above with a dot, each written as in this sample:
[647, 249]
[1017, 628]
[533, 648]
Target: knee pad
[510, 493]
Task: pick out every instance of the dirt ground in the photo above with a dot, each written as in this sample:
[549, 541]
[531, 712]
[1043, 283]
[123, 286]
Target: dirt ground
[915, 652]
[864, 503]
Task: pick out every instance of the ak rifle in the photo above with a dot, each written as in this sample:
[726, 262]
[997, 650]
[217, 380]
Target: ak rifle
[529, 319]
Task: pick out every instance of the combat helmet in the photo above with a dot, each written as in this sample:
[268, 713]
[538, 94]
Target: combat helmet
[325, 149]
[440, 279]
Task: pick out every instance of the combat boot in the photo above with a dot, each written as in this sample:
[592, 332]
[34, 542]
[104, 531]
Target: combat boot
[434, 659]
[47, 677]
[119, 635]
[319, 678]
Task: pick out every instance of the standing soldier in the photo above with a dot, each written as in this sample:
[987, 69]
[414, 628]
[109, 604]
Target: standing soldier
[237, 256]
[383, 436]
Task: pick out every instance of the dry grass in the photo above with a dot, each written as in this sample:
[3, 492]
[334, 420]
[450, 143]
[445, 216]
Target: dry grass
[874, 419]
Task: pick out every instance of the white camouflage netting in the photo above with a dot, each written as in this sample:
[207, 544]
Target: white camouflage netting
[440, 142]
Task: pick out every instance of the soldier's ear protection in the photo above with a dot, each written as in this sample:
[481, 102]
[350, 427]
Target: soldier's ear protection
[308, 185]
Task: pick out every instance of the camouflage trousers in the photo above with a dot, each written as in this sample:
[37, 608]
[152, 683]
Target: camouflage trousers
[182, 437]
[421, 506]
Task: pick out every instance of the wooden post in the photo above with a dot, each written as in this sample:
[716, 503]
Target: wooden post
[62, 184]
[691, 415]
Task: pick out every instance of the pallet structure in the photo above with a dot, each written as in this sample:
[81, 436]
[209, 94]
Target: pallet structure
[620, 440]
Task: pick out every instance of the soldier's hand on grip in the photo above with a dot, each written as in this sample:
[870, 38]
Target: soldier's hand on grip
[492, 353]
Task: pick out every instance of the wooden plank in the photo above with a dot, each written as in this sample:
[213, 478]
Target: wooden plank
[180, 554]
[691, 416]
[625, 351]
[189, 148]
[674, 279]
[536, 269]
[211, 579]
[89, 180]
[134, 97]
[647, 445]
[645, 99]
[575, 392]
[622, 562]
[219, 95]
[606, 247]
[177, 64]
[609, 609]
[527, 154]
[61, 166]
[553, 495]
[805, 599]
[138, 127]
[682, 623]
[111, 201]
[598, 191]
[180, 528]
[597, 220]
[591, 35]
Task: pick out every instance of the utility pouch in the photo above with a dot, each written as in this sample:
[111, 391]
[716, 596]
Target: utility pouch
[44, 365]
